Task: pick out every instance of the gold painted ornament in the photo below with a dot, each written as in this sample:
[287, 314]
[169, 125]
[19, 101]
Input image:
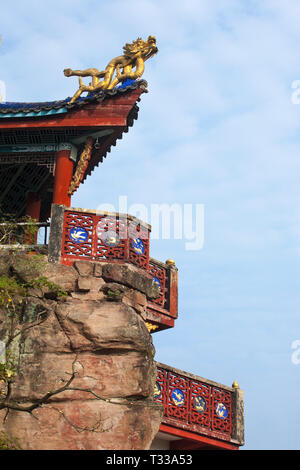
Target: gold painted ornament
[118, 69]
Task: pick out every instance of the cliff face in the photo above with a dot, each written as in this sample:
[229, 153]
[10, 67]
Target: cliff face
[84, 363]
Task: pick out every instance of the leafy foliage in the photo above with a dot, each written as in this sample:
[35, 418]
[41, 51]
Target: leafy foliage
[7, 369]
[8, 442]
[11, 291]
[14, 231]
[42, 281]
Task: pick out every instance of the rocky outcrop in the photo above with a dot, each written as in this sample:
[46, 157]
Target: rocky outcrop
[84, 358]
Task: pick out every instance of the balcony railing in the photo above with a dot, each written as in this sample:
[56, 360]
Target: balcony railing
[80, 234]
[199, 405]
[115, 238]
[24, 233]
[164, 310]
[97, 236]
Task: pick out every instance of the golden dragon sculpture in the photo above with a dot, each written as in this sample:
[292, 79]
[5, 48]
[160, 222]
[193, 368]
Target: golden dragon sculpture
[119, 69]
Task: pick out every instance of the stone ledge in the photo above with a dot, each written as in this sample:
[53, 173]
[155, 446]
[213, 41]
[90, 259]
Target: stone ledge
[130, 276]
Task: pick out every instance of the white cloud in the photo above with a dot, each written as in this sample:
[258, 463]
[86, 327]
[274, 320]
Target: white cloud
[217, 127]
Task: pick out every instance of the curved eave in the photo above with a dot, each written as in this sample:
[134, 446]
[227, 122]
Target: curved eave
[12, 110]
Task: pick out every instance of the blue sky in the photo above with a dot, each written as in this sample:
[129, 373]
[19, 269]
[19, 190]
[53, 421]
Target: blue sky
[218, 128]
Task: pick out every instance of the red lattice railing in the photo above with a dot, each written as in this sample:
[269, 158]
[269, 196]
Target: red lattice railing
[114, 237]
[194, 405]
[160, 276]
[104, 238]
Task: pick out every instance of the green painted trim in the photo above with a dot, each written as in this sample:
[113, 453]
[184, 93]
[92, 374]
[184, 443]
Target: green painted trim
[33, 114]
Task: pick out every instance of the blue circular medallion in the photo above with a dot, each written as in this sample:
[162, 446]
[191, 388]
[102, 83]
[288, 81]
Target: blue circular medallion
[178, 397]
[156, 282]
[110, 238]
[200, 404]
[138, 246]
[221, 411]
[78, 235]
[157, 390]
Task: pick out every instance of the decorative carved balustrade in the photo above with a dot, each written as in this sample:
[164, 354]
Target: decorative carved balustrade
[198, 405]
[164, 310]
[101, 237]
[106, 237]
[116, 238]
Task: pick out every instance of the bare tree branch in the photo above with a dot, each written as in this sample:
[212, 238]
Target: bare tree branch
[7, 404]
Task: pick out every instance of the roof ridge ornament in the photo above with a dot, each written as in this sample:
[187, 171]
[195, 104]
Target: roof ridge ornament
[118, 69]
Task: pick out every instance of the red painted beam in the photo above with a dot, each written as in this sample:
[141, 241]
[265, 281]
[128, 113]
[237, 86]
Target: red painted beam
[187, 444]
[158, 315]
[79, 119]
[186, 435]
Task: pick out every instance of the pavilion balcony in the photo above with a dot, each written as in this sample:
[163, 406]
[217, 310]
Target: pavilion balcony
[197, 410]
[81, 234]
[116, 238]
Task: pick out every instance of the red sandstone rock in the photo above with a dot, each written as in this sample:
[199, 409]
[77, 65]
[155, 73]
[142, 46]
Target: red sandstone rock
[103, 349]
[103, 325]
[65, 276]
[136, 300]
[129, 275]
[90, 283]
[105, 376]
[87, 425]
[84, 268]
[97, 270]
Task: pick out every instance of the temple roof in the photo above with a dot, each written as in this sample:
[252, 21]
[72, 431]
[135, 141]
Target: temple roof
[20, 109]
[31, 134]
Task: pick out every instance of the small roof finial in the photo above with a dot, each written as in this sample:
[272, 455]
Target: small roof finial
[170, 262]
[235, 384]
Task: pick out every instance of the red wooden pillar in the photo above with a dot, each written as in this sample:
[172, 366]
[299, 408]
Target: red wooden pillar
[173, 308]
[63, 175]
[33, 206]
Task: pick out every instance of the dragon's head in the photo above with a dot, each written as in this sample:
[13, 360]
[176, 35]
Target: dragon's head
[140, 48]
